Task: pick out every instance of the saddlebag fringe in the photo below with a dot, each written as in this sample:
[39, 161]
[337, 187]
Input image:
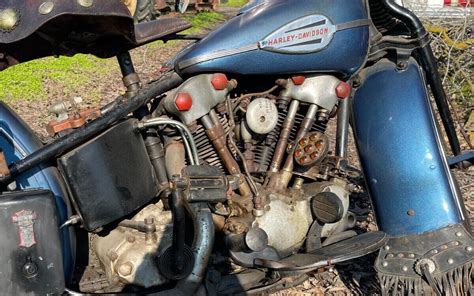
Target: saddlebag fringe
[458, 281]
[439, 262]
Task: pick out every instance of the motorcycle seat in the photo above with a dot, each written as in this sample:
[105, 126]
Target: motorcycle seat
[37, 28]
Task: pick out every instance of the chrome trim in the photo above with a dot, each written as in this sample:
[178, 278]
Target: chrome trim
[217, 55]
[353, 24]
[17, 146]
[452, 185]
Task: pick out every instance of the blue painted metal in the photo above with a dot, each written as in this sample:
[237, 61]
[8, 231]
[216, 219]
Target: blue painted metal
[401, 153]
[345, 54]
[251, 5]
[465, 156]
[17, 141]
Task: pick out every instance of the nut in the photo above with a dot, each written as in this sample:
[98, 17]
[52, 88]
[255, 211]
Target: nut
[125, 269]
[112, 255]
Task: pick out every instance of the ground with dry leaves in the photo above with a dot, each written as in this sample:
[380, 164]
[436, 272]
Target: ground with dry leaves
[356, 277]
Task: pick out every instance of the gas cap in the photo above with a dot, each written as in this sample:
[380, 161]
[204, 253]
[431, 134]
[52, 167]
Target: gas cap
[262, 116]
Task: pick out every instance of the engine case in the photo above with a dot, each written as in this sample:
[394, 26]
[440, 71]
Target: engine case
[129, 257]
[290, 235]
[295, 210]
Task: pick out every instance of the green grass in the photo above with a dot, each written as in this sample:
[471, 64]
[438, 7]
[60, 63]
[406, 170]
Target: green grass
[203, 20]
[28, 81]
[236, 3]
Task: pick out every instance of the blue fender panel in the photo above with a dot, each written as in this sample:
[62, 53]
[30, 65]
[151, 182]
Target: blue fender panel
[404, 164]
[17, 140]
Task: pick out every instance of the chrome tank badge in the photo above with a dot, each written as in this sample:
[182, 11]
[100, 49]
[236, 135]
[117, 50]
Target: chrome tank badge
[308, 34]
[25, 219]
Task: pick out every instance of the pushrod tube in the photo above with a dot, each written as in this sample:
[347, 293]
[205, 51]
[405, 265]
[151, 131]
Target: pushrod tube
[428, 62]
[342, 137]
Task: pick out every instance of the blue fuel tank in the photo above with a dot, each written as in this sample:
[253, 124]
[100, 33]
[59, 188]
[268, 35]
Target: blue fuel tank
[274, 37]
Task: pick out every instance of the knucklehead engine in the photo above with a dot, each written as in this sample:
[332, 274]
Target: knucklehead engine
[264, 157]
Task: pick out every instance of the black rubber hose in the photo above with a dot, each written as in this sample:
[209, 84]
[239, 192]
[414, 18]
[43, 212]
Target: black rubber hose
[165, 83]
[202, 248]
[407, 17]
[428, 62]
[179, 230]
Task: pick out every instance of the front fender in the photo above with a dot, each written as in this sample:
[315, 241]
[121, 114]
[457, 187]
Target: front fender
[404, 163]
[17, 140]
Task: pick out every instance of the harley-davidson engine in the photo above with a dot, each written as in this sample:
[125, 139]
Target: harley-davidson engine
[273, 147]
[284, 193]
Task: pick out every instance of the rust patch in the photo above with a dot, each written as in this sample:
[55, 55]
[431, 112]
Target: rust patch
[4, 171]
[74, 121]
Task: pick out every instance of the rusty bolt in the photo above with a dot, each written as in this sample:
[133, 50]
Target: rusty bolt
[309, 148]
[125, 269]
[112, 255]
[149, 220]
[298, 153]
[130, 238]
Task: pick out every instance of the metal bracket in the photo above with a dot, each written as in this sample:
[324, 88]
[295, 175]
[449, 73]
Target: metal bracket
[465, 156]
[203, 184]
[397, 43]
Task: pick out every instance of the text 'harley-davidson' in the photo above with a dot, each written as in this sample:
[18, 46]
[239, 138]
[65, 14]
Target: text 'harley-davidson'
[219, 176]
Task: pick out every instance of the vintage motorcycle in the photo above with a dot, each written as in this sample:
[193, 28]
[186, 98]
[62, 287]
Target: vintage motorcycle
[219, 176]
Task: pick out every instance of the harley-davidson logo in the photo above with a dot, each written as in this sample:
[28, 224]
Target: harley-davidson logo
[307, 34]
[25, 219]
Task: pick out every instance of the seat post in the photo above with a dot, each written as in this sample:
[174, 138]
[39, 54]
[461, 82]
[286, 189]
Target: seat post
[130, 78]
[131, 81]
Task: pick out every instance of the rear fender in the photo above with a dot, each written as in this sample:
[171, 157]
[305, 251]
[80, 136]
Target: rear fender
[400, 150]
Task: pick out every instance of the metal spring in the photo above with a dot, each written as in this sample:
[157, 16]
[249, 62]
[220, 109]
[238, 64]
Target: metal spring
[206, 150]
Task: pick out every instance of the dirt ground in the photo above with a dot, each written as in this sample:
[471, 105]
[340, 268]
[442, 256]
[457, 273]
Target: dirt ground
[355, 278]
